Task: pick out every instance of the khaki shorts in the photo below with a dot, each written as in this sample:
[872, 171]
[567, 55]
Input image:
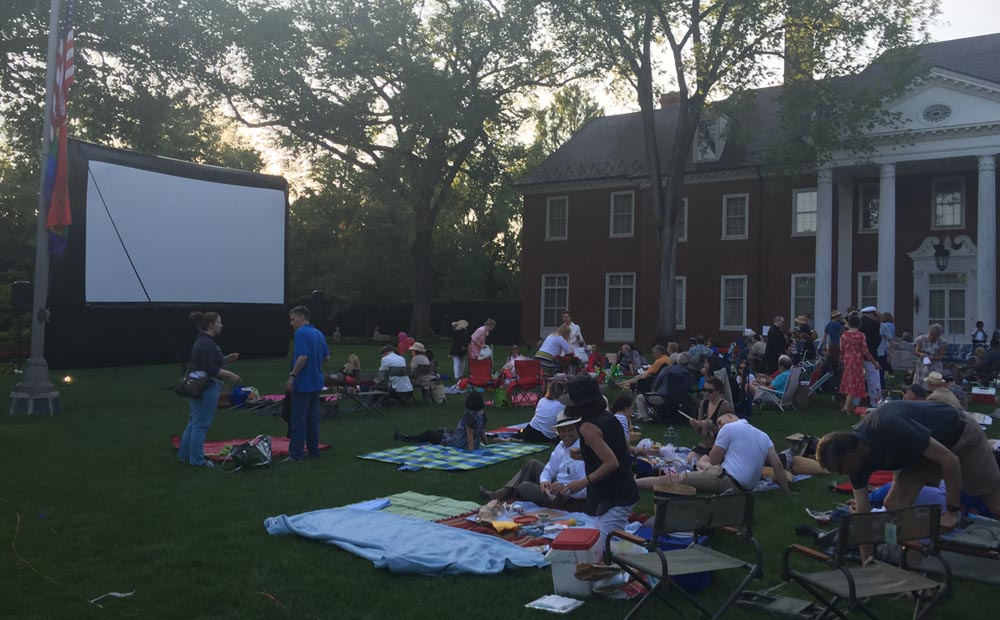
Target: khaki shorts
[980, 473]
[711, 480]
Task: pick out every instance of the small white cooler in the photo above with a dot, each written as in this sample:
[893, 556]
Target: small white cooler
[571, 547]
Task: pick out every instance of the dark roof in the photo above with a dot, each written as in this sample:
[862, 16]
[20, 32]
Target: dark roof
[611, 147]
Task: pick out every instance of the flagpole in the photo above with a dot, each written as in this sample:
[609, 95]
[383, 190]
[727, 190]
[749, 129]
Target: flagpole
[35, 394]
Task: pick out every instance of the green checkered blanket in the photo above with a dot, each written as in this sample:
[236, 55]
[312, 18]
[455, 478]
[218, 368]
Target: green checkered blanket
[428, 507]
[412, 458]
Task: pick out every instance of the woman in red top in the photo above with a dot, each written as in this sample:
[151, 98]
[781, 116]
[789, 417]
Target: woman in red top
[853, 353]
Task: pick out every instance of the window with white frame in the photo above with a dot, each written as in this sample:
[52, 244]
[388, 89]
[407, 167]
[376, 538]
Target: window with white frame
[733, 303]
[803, 294]
[867, 289]
[868, 205]
[622, 214]
[555, 300]
[949, 203]
[556, 218]
[680, 300]
[735, 216]
[620, 307]
[682, 221]
[804, 212]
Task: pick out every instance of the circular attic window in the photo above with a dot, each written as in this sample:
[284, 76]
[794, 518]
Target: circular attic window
[936, 113]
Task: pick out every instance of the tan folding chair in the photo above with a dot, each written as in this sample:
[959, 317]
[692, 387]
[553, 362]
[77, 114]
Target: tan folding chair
[732, 513]
[845, 589]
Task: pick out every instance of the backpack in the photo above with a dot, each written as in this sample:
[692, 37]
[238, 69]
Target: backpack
[253, 453]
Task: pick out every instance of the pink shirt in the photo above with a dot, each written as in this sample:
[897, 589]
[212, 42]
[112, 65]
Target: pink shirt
[477, 342]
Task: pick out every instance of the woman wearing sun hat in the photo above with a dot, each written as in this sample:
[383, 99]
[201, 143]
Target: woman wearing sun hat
[611, 490]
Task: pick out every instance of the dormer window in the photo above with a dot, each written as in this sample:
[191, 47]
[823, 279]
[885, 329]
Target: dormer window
[709, 141]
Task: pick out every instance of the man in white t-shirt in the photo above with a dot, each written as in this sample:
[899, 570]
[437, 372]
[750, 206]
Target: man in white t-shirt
[575, 337]
[390, 359]
[734, 464]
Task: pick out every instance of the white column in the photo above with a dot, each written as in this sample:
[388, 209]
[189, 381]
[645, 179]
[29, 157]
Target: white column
[986, 240]
[824, 244]
[845, 244]
[887, 239]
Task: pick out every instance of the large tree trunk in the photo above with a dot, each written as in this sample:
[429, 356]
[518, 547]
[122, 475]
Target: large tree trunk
[665, 225]
[423, 246]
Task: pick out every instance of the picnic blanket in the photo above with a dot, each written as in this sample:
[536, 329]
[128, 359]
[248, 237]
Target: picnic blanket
[405, 544]
[217, 450]
[876, 480]
[414, 458]
[427, 507]
[506, 431]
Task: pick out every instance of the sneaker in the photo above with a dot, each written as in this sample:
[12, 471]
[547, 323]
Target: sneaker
[397, 435]
[289, 459]
[207, 463]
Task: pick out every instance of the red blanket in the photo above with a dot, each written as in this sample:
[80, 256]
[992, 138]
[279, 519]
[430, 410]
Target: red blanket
[876, 480]
[513, 536]
[279, 446]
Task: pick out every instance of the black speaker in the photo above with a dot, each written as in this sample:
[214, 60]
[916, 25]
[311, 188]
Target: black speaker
[21, 297]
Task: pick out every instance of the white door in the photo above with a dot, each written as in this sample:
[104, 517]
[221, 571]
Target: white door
[946, 304]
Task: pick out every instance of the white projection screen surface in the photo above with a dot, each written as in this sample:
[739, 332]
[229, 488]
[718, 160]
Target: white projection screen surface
[191, 240]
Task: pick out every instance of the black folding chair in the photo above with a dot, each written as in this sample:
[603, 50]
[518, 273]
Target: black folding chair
[732, 513]
[843, 589]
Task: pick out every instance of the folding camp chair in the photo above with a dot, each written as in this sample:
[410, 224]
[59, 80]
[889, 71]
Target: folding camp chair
[731, 513]
[767, 396]
[849, 587]
[481, 374]
[529, 380]
[815, 387]
[398, 371]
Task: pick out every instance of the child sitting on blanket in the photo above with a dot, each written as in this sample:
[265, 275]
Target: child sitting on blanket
[468, 435]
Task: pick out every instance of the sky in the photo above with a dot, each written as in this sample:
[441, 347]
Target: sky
[966, 18]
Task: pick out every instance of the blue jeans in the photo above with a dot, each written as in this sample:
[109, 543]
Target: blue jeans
[305, 425]
[200, 416]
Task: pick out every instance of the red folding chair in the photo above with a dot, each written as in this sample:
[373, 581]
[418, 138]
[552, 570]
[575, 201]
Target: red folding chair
[529, 381]
[481, 374]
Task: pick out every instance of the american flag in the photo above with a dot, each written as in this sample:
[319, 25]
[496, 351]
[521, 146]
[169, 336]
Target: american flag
[65, 70]
[59, 217]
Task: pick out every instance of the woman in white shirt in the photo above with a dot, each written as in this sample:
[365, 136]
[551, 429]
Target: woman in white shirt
[555, 345]
[541, 427]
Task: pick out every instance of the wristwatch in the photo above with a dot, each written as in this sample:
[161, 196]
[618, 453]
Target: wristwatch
[291, 374]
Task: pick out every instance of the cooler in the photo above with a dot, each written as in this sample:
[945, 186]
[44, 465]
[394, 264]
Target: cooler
[984, 396]
[571, 547]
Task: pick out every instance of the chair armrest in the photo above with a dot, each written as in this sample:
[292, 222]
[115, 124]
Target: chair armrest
[947, 545]
[632, 538]
[809, 552]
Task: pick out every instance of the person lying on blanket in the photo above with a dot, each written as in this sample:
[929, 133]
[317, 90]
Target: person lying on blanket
[734, 463]
[546, 485]
[470, 433]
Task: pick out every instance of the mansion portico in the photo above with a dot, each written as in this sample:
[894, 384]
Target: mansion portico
[911, 229]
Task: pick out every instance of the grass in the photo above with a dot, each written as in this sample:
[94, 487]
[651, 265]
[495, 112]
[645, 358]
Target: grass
[93, 501]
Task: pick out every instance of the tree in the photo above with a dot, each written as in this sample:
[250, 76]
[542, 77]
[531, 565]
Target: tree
[572, 107]
[724, 48]
[409, 91]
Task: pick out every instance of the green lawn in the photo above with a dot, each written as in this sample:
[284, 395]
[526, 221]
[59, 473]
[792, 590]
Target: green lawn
[93, 501]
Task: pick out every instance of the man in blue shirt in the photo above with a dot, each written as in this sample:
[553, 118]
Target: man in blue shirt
[305, 382]
[833, 330]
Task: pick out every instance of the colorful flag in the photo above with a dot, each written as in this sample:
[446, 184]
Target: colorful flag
[59, 218]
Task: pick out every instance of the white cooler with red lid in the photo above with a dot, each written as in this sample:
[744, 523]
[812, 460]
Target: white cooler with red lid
[571, 547]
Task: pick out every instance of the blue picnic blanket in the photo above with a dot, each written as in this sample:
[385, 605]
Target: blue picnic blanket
[406, 545]
[427, 456]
